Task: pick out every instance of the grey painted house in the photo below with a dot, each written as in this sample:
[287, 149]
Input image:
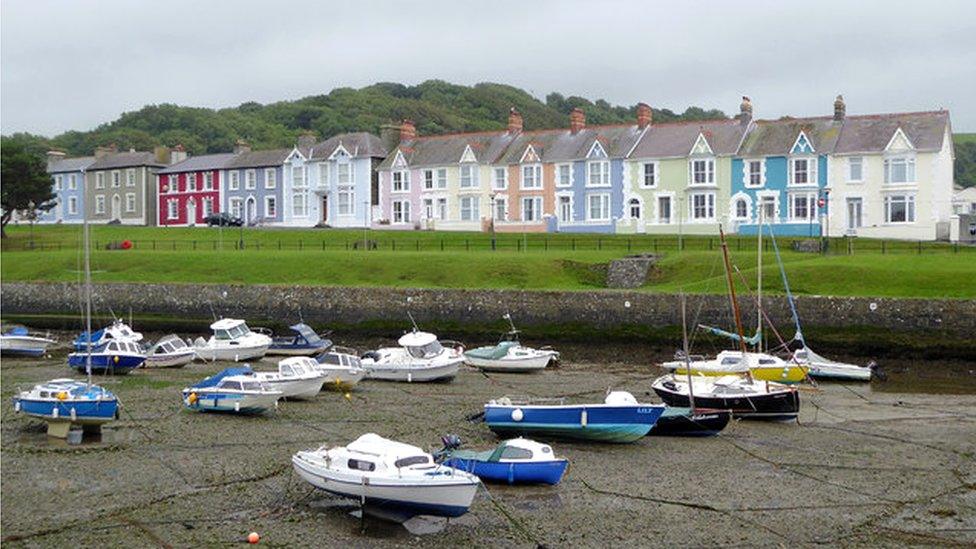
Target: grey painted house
[122, 186]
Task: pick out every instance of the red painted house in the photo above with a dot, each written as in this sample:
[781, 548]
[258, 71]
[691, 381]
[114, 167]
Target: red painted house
[189, 191]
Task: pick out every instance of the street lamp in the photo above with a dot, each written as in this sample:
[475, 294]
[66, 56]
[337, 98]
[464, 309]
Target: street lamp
[493, 213]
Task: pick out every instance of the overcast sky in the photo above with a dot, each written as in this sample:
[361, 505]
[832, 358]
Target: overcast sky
[74, 65]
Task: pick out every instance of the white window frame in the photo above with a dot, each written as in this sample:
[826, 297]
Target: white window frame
[271, 207]
[99, 180]
[441, 208]
[601, 170]
[708, 206]
[567, 170]
[811, 206]
[850, 169]
[130, 177]
[250, 180]
[57, 182]
[100, 204]
[347, 192]
[708, 173]
[404, 177]
[130, 202]
[73, 205]
[349, 177]
[654, 175]
[427, 206]
[736, 200]
[441, 178]
[811, 171]
[234, 183]
[469, 208]
[270, 178]
[911, 208]
[632, 202]
[72, 183]
[207, 205]
[403, 216]
[501, 204]
[748, 173]
[208, 179]
[236, 206]
[559, 208]
[324, 174]
[172, 209]
[536, 202]
[604, 207]
[911, 174]
[191, 182]
[429, 180]
[472, 177]
[536, 171]
[499, 184]
[299, 204]
[116, 179]
[671, 209]
[761, 199]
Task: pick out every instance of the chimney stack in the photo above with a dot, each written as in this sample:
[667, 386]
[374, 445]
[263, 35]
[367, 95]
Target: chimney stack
[306, 139]
[644, 115]
[390, 136]
[514, 121]
[53, 157]
[241, 146]
[162, 154]
[745, 109]
[840, 109]
[103, 151]
[408, 130]
[577, 120]
[178, 154]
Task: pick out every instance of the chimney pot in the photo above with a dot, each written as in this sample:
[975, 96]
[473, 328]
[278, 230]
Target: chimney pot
[514, 121]
[408, 130]
[644, 115]
[840, 109]
[577, 120]
[745, 108]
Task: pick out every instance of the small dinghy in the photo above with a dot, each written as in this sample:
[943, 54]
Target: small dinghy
[115, 356]
[747, 398]
[169, 352]
[18, 341]
[619, 419]
[297, 377]
[510, 355]
[343, 370]
[118, 331]
[763, 366]
[231, 340]
[515, 461]
[389, 475]
[824, 368]
[64, 403]
[419, 358]
[684, 422]
[303, 342]
[234, 390]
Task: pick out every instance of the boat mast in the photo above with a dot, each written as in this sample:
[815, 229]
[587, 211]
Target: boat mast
[88, 298]
[759, 273]
[684, 343]
[732, 299]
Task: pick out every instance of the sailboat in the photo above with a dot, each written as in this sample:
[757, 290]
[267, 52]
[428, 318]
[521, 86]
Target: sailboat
[66, 403]
[738, 390]
[818, 366]
[763, 366]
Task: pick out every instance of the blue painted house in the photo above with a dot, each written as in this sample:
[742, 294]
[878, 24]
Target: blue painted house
[68, 184]
[780, 174]
[251, 187]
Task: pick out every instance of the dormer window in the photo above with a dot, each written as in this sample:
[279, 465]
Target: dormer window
[469, 176]
[401, 181]
[803, 171]
[702, 171]
[532, 177]
[899, 169]
[598, 174]
[345, 173]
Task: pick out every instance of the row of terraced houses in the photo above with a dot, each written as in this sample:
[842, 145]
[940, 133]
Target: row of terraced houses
[881, 175]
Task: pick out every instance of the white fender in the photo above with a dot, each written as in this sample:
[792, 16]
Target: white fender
[517, 414]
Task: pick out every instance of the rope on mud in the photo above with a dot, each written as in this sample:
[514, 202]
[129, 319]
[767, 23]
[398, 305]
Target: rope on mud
[516, 524]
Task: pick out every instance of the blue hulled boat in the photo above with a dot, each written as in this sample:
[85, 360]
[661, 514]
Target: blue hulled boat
[303, 342]
[234, 390]
[118, 331]
[111, 357]
[515, 461]
[619, 419]
[66, 402]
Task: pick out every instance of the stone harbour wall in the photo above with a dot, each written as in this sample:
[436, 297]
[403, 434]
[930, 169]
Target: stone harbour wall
[603, 309]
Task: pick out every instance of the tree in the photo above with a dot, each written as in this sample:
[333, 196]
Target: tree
[25, 182]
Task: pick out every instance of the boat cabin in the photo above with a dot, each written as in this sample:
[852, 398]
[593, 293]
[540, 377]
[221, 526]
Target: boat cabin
[421, 344]
[334, 358]
[232, 384]
[119, 346]
[522, 449]
[297, 367]
[229, 328]
[169, 345]
[372, 452]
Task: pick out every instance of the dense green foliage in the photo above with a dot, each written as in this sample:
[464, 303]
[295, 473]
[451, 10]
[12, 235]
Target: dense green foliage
[437, 107]
[26, 185]
[965, 165]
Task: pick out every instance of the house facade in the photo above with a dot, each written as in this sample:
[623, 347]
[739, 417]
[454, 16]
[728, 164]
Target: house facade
[189, 190]
[121, 186]
[252, 188]
[68, 185]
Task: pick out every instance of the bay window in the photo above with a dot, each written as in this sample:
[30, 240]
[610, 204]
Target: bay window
[469, 176]
[532, 208]
[899, 169]
[401, 211]
[702, 206]
[803, 206]
[702, 171]
[469, 208]
[900, 208]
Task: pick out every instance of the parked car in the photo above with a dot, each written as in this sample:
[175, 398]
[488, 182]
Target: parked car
[223, 219]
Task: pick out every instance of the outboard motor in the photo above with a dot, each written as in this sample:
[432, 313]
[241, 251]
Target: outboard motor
[877, 372]
[451, 442]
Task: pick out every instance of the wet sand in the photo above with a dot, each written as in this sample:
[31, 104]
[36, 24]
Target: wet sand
[865, 465]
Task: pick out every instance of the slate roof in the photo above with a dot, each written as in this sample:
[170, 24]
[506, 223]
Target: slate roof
[676, 139]
[776, 137]
[125, 160]
[202, 162]
[259, 159]
[441, 150]
[871, 133]
[564, 146]
[71, 164]
[359, 145]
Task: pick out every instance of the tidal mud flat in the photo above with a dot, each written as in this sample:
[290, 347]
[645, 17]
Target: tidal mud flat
[875, 463]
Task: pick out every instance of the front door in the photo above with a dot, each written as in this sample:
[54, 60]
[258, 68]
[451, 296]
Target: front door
[664, 210]
[191, 212]
[855, 216]
[251, 210]
[116, 207]
[325, 209]
[565, 209]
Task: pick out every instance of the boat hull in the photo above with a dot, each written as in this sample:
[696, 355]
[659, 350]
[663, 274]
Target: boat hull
[413, 374]
[342, 380]
[683, 422]
[235, 403]
[410, 499]
[517, 365]
[790, 374]
[534, 472]
[300, 389]
[783, 405]
[233, 354]
[840, 372]
[84, 412]
[170, 360]
[112, 363]
[23, 345]
[617, 424]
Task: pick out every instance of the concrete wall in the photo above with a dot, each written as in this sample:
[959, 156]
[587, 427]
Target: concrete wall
[597, 309]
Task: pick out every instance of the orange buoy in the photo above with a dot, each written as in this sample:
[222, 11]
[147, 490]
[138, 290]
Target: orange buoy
[62, 395]
[253, 538]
